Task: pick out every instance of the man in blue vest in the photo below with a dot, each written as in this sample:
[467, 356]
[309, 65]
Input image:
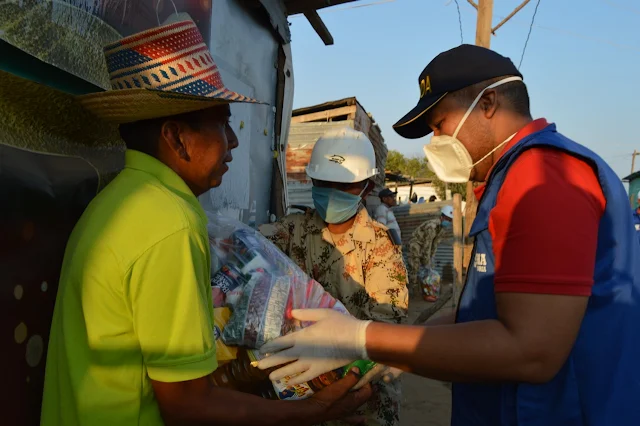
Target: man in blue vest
[546, 329]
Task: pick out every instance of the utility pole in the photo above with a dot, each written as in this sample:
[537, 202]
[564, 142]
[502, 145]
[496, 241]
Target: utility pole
[633, 160]
[483, 38]
[483, 25]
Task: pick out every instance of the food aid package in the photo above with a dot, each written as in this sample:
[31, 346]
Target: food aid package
[261, 286]
[429, 280]
[259, 283]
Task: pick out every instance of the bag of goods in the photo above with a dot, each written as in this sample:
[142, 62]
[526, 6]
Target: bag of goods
[261, 286]
[429, 280]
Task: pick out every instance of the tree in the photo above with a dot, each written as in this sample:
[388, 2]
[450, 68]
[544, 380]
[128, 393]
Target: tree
[455, 188]
[396, 162]
[414, 167]
[418, 168]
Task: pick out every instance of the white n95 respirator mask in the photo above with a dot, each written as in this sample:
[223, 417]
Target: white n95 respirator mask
[447, 156]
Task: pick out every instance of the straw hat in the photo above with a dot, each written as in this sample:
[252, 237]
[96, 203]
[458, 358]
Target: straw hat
[160, 72]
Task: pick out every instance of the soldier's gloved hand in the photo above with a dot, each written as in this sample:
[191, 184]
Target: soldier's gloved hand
[379, 372]
[334, 341]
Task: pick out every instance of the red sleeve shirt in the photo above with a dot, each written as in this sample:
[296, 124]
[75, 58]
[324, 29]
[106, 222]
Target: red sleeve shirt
[545, 223]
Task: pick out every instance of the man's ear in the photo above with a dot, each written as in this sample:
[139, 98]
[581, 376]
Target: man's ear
[171, 134]
[489, 103]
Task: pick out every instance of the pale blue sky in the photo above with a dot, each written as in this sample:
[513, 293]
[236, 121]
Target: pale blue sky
[582, 63]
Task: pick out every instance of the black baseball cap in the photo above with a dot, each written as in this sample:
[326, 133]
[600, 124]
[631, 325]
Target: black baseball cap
[387, 193]
[455, 69]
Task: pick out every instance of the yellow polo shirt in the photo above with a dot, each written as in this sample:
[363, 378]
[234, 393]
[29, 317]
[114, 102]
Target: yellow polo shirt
[134, 301]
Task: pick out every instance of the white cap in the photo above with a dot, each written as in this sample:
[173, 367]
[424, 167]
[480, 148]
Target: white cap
[638, 195]
[342, 155]
[447, 211]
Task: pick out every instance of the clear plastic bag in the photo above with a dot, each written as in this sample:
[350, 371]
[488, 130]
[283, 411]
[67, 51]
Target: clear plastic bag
[259, 283]
[429, 280]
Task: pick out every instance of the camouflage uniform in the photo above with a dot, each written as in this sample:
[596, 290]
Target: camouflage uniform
[422, 247]
[363, 269]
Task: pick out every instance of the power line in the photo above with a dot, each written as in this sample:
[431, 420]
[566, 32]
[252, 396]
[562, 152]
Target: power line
[356, 6]
[511, 15]
[622, 7]
[533, 19]
[584, 37]
[460, 22]
[618, 156]
[340, 9]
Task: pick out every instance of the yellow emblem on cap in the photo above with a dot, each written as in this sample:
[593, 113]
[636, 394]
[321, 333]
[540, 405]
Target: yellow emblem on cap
[425, 86]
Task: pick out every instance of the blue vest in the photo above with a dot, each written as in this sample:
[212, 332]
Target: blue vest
[599, 383]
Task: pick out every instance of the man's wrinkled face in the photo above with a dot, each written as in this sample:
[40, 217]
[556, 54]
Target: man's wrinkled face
[475, 134]
[203, 147]
[390, 201]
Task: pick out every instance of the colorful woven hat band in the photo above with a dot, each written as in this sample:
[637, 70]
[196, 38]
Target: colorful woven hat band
[168, 70]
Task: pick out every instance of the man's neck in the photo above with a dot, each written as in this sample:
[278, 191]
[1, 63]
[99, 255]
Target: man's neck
[512, 124]
[341, 228]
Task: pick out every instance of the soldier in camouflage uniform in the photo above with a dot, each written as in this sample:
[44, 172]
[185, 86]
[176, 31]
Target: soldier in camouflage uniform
[351, 255]
[424, 243]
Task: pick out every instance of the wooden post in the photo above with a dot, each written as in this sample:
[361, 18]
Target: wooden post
[483, 38]
[483, 25]
[633, 160]
[457, 247]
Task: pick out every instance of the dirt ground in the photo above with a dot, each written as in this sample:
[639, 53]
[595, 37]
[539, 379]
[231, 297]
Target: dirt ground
[426, 402]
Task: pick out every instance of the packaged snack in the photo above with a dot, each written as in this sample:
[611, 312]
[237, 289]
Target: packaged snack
[226, 285]
[224, 353]
[259, 315]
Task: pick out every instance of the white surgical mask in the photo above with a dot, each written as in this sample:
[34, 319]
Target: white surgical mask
[448, 157]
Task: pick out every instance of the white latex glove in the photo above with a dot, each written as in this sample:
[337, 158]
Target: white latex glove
[379, 372]
[334, 341]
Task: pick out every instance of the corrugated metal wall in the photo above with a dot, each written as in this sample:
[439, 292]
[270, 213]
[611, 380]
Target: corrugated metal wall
[411, 216]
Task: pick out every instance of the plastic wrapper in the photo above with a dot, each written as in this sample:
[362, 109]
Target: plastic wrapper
[261, 286]
[227, 285]
[259, 283]
[429, 280]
